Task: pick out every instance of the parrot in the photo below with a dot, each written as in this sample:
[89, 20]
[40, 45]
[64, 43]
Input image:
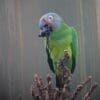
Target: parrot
[59, 36]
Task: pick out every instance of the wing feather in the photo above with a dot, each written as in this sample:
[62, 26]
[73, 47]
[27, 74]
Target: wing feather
[74, 46]
[50, 62]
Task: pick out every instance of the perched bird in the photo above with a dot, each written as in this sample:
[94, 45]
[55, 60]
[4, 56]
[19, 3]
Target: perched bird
[59, 37]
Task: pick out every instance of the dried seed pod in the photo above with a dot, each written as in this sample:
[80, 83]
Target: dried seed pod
[36, 77]
[89, 93]
[49, 77]
[80, 87]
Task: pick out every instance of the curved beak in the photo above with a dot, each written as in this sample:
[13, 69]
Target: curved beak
[45, 29]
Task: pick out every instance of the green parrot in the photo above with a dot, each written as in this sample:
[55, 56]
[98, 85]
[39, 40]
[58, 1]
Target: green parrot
[58, 37]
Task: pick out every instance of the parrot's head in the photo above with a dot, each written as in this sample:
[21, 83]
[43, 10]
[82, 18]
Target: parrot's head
[49, 23]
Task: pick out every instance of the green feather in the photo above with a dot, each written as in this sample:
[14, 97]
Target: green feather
[50, 61]
[74, 47]
[64, 38]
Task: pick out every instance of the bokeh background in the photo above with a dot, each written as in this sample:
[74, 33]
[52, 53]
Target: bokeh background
[22, 53]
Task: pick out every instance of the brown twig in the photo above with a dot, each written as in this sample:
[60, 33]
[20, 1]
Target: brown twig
[67, 76]
[90, 92]
[41, 90]
[80, 87]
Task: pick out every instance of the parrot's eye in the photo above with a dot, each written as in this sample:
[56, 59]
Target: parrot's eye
[50, 18]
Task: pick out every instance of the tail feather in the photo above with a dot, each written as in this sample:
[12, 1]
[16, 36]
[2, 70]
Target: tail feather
[59, 82]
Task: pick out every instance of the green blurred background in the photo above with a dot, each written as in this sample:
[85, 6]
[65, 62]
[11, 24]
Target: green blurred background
[22, 53]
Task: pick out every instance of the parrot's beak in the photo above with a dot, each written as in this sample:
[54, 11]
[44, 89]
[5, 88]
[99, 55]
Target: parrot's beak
[45, 31]
[45, 28]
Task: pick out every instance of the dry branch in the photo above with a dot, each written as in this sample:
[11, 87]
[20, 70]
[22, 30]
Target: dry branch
[41, 90]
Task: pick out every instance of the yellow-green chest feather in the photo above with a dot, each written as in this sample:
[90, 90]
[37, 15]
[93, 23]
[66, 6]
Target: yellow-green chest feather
[56, 46]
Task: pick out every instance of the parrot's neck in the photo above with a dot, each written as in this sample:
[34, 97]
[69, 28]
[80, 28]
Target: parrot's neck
[59, 34]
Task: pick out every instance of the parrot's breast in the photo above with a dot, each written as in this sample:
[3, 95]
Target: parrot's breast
[56, 50]
[57, 43]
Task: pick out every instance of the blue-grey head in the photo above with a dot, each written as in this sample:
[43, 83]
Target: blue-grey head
[49, 23]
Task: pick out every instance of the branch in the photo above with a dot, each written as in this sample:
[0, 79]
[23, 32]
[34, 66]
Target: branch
[80, 87]
[90, 92]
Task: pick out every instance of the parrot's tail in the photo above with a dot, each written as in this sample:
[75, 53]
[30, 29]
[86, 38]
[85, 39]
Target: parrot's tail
[59, 82]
